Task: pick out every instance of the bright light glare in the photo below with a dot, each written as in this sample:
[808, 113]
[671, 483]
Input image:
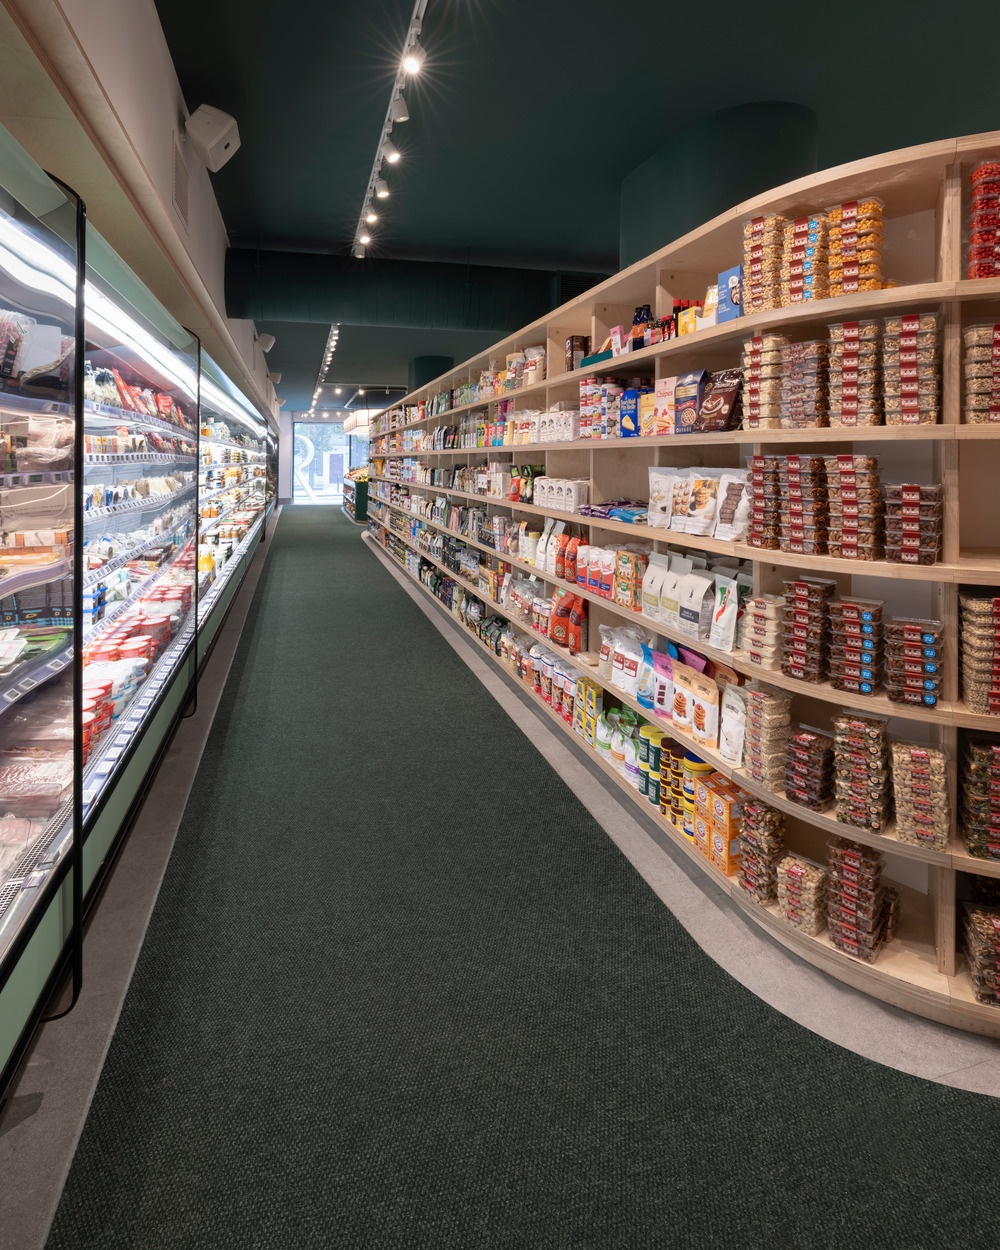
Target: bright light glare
[413, 60]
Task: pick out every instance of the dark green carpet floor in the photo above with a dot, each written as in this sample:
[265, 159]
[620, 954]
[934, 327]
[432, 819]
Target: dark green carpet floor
[400, 990]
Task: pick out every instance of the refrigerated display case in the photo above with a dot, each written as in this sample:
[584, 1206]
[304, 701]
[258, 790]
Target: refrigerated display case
[133, 489]
[232, 487]
[40, 334]
[140, 464]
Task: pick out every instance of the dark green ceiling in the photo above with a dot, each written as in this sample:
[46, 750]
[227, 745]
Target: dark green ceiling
[529, 115]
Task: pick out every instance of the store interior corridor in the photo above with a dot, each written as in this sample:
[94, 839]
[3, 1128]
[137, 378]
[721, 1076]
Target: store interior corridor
[393, 994]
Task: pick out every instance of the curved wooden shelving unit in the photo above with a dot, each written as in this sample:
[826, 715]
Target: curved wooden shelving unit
[924, 192]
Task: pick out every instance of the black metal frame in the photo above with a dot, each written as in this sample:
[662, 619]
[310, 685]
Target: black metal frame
[76, 844]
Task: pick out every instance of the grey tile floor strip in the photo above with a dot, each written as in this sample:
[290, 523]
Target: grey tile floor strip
[827, 1007]
[44, 1117]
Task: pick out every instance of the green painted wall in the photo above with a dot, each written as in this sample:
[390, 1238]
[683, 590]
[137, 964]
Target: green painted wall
[711, 166]
[424, 369]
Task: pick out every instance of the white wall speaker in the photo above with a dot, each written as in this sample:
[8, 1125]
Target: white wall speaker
[213, 135]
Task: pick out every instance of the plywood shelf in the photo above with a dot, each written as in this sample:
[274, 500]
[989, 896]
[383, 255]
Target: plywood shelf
[923, 189]
[905, 973]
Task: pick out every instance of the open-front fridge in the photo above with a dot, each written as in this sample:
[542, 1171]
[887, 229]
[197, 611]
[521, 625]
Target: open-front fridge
[133, 494]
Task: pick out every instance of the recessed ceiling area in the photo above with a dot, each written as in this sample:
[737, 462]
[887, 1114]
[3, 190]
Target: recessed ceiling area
[523, 124]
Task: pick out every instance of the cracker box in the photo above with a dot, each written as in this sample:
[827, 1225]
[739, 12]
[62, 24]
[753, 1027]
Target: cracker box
[593, 699]
[730, 297]
[647, 413]
[579, 717]
[590, 730]
[663, 406]
[687, 321]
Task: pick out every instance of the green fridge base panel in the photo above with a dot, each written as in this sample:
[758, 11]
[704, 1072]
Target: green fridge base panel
[20, 998]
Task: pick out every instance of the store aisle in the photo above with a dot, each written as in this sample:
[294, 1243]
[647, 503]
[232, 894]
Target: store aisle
[400, 989]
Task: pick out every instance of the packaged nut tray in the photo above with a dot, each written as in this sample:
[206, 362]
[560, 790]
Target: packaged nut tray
[982, 946]
[869, 332]
[802, 893]
[763, 840]
[983, 261]
[910, 537]
[803, 268]
[979, 805]
[920, 794]
[981, 366]
[861, 770]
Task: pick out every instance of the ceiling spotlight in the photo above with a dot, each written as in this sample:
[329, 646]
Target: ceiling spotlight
[390, 153]
[265, 342]
[338, 390]
[381, 189]
[399, 110]
[364, 239]
[361, 390]
[413, 58]
[359, 252]
[371, 217]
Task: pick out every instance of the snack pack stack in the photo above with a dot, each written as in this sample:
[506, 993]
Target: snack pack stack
[862, 913]
[854, 490]
[984, 222]
[761, 629]
[766, 739]
[914, 654]
[809, 768]
[856, 373]
[763, 838]
[804, 273]
[804, 506]
[981, 366]
[914, 517]
[979, 804]
[920, 794]
[804, 385]
[857, 652]
[763, 241]
[862, 771]
[911, 369]
[807, 628]
[982, 947]
[762, 381]
[765, 502]
[855, 246]
[802, 893]
[980, 654]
